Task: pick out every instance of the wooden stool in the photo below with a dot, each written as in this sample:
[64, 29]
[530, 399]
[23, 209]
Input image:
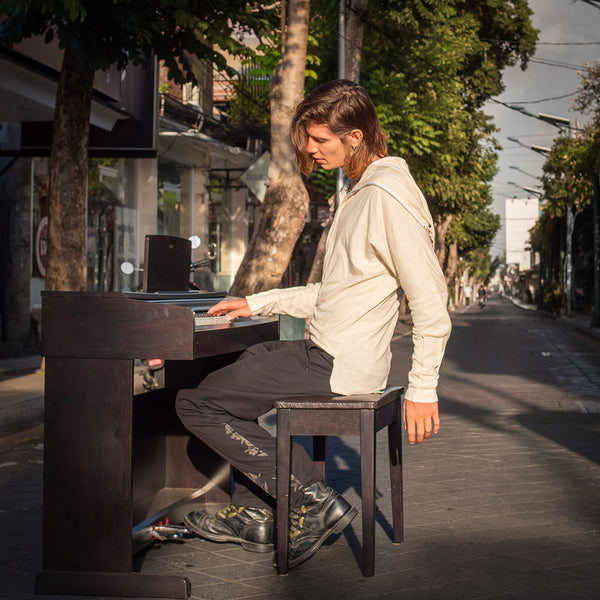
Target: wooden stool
[320, 416]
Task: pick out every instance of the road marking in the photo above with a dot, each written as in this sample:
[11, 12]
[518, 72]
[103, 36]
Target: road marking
[588, 406]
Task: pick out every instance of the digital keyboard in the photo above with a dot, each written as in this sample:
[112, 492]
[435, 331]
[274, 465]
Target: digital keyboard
[116, 463]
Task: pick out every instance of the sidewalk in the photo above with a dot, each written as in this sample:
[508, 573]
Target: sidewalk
[577, 321]
[21, 394]
[502, 504]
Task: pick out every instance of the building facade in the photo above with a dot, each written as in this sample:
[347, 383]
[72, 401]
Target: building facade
[522, 276]
[521, 215]
[161, 162]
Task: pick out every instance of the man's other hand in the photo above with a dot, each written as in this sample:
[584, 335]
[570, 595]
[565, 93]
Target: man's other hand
[232, 309]
[420, 419]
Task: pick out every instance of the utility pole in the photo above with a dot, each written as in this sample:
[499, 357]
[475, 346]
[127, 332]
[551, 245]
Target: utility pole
[561, 123]
[341, 75]
[596, 229]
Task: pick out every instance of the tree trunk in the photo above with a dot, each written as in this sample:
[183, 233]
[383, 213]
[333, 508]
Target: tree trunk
[283, 212]
[355, 27]
[441, 229]
[68, 175]
[15, 255]
[451, 263]
[316, 271]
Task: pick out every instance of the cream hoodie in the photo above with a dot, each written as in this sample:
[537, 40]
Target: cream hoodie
[381, 240]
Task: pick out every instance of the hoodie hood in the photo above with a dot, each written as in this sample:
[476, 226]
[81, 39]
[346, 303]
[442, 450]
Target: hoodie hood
[391, 174]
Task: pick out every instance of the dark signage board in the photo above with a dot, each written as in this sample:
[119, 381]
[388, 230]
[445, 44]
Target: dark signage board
[134, 112]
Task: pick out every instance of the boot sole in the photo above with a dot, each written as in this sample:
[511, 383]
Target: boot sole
[245, 544]
[341, 524]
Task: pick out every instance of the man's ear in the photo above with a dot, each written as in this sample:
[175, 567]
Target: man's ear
[355, 137]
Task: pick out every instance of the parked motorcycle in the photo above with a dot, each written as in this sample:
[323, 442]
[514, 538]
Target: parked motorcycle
[482, 299]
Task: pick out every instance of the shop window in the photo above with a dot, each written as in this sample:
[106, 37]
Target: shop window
[111, 237]
[215, 216]
[40, 217]
[111, 230]
[169, 198]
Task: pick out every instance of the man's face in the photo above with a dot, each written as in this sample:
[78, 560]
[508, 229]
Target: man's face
[328, 150]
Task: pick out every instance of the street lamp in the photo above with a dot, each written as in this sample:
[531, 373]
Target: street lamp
[526, 188]
[559, 122]
[526, 173]
[538, 149]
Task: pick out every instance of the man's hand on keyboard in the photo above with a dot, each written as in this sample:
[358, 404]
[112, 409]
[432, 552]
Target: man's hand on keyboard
[232, 309]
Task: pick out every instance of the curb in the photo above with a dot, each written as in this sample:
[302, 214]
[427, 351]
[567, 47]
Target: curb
[21, 395]
[22, 417]
[563, 321]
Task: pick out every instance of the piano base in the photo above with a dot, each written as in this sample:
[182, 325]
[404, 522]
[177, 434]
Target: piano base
[127, 585]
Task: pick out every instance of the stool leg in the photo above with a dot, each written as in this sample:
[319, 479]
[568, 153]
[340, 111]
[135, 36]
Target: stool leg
[367, 478]
[320, 454]
[284, 448]
[395, 451]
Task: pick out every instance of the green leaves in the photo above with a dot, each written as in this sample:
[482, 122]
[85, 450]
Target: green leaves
[107, 32]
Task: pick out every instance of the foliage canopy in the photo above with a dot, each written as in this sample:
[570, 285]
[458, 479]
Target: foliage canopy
[120, 32]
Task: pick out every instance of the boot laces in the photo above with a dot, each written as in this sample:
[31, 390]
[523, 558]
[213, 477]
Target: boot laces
[230, 511]
[296, 521]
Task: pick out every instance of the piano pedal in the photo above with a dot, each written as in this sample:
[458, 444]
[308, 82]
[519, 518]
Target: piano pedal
[163, 532]
[153, 374]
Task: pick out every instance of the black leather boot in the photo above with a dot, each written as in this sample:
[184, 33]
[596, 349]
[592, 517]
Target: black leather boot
[250, 527]
[323, 513]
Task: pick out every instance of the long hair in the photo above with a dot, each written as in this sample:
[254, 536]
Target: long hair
[343, 106]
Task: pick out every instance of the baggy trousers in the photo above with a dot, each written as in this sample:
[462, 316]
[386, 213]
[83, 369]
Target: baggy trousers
[223, 411]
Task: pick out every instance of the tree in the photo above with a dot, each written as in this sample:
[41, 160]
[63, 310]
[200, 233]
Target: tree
[358, 13]
[429, 67]
[283, 212]
[95, 34]
[448, 60]
[569, 172]
[471, 236]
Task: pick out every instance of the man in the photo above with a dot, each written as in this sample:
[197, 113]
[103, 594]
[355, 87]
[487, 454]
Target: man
[381, 240]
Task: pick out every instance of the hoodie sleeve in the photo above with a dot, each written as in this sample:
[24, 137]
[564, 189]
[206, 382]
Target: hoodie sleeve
[297, 301]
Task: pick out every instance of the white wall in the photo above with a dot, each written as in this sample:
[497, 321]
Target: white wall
[521, 215]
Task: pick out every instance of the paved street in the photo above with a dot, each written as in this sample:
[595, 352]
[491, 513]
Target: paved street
[504, 503]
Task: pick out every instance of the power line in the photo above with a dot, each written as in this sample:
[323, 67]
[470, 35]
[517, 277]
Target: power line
[459, 80]
[565, 43]
[545, 99]
[561, 65]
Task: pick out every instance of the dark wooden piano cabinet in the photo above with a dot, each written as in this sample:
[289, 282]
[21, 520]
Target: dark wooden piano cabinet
[115, 463]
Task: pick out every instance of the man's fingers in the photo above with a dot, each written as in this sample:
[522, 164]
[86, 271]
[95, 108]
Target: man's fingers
[411, 434]
[436, 422]
[231, 308]
[420, 430]
[234, 314]
[420, 420]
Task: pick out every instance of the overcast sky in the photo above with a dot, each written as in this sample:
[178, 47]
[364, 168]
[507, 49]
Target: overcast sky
[569, 35]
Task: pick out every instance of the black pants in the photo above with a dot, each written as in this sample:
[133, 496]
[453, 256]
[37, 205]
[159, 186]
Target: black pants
[223, 411]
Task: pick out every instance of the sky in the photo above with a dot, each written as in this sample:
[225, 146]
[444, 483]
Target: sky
[569, 37]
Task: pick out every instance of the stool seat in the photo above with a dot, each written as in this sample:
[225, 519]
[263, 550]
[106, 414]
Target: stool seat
[321, 416]
[368, 401]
